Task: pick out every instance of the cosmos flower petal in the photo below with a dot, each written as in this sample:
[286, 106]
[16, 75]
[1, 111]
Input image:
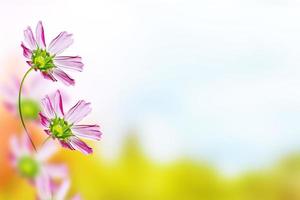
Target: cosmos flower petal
[40, 36]
[78, 112]
[66, 144]
[57, 171]
[63, 189]
[80, 145]
[44, 120]
[47, 108]
[49, 76]
[47, 132]
[62, 76]
[47, 151]
[25, 145]
[26, 52]
[14, 146]
[57, 104]
[43, 185]
[29, 38]
[60, 43]
[69, 62]
[87, 131]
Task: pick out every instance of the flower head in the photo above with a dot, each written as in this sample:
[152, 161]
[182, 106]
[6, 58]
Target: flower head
[34, 167]
[46, 59]
[64, 126]
[30, 106]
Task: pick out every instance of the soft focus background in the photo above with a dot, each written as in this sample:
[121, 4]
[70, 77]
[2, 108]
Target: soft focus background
[196, 99]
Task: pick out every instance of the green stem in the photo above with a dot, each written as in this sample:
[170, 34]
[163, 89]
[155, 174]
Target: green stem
[20, 108]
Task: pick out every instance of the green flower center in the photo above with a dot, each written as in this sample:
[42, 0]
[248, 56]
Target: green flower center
[42, 60]
[60, 128]
[30, 109]
[28, 167]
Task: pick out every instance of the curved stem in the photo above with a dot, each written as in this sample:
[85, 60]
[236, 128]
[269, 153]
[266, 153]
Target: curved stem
[20, 108]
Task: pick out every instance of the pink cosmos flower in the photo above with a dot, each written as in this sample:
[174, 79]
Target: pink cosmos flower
[33, 166]
[64, 126]
[60, 191]
[46, 59]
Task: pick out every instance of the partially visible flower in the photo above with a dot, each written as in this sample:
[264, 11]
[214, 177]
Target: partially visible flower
[46, 59]
[31, 95]
[60, 191]
[30, 106]
[63, 126]
[34, 167]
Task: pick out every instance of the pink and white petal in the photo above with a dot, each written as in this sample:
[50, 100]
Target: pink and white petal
[29, 38]
[58, 104]
[26, 52]
[15, 147]
[62, 191]
[87, 131]
[60, 43]
[78, 112]
[57, 171]
[47, 151]
[79, 145]
[69, 62]
[66, 144]
[43, 185]
[62, 76]
[49, 76]
[40, 36]
[47, 108]
[25, 145]
[45, 121]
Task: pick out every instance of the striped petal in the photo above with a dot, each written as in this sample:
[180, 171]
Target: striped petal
[87, 131]
[43, 185]
[29, 38]
[66, 144]
[60, 43]
[45, 121]
[58, 104]
[47, 108]
[79, 145]
[62, 191]
[49, 76]
[26, 52]
[78, 112]
[62, 76]
[40, 36]
[69, 62]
